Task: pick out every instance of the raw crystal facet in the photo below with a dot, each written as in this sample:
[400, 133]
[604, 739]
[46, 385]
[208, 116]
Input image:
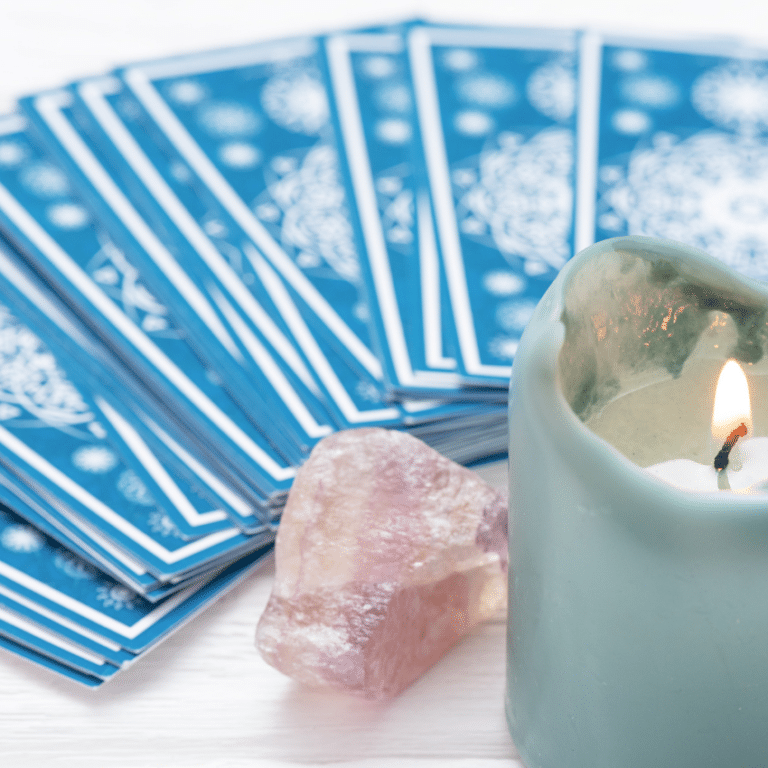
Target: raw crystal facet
[387, 554]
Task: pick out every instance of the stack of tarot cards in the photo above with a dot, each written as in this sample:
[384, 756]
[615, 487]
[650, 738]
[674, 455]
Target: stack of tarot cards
[209, 262]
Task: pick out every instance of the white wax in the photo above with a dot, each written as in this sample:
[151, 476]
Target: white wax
[692, 476]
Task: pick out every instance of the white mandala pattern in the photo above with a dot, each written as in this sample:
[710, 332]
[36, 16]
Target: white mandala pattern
[460, 59]
[314, 222]
[296, 101]
[21, 538]
[11, 153]
[72, 566]
[115, 597]
[503, 283]
[240, 155]
[486, 90]
[228, 119]
[503, 347]
[122, 282]
[161, 523]
[186, 92]
[67, 215]
[393, 130]
[523, 196]
[514, 315]
[31, 380]
[45, 180]
[652, 91]
[709, 191]
[396, 205]
[96, 459]
[551, 89]
[133, 489]
[734, 96]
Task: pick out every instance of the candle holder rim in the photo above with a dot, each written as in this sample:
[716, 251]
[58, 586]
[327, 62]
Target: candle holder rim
[546, 333]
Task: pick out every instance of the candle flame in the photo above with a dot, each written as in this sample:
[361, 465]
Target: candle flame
[732, 406]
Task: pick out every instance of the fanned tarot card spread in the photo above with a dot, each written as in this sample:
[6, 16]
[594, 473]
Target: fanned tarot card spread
[247, 379]
[497, 118]
[373, 101]
[253, 126]
[52, 440]
[316, 380]
[63, 607]
[678, 147]
[71, 250]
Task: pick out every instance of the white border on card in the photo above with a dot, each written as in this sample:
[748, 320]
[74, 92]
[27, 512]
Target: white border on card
[50, 106]
[301, 331]
[72, 626]
[129, 631]
[139, 80]
[49, 636]
[132, 333]
[339, 48]
[93, 93]
[590, 60]
[73, 489]
[156, 470]
[420, 42]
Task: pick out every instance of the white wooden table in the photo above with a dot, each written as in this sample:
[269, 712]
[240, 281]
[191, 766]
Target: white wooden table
[204, 698]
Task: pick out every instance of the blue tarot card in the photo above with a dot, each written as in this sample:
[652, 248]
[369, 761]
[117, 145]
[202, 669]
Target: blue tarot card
[176, 197]
[678, 147]
[129, 428]
[64, 629]
[49, 663]
[52, 579]
[34, 636]
[496, 113]
[372, 99]
[52, 439]
[108, 288]
[204, 323]
[288, 199]
[115, 127]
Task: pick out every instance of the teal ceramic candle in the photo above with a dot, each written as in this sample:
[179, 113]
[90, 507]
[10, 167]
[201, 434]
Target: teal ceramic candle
[638, 623]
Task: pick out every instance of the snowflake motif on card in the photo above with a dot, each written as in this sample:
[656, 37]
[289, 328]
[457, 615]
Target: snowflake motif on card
[652, 91]
[503, 347]
[551, 89]
[73, 566]
[228, 119]
[96, 459]
[67, 216]
[161, 524]
[296, 101]
[520, 198]
[44, 180]
[31, 380]
[122, 283]
[397, 209]
[734, 96]
[21, 538]
[485, 89]
[708, 191]
[368, 391]
[514, 315]
[503, 283]
[115, 597]
[187, 92]
[312, 216]
[11, 153]
[133, 489]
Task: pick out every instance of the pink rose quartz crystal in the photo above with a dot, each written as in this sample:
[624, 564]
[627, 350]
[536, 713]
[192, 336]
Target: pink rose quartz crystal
[387, 554]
